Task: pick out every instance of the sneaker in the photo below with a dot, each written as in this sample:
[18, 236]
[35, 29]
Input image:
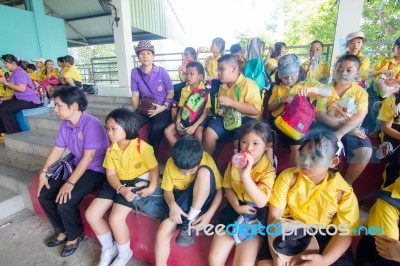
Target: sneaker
[121, 262]
[108, 255]
[51, 104]
[185, 237]
[243, 229]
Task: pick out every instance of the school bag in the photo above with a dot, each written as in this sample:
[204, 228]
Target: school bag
[255, 70]
[296, 118]
[194, 106]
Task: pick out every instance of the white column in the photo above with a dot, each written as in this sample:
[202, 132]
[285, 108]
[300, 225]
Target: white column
[348, 20]
[123, 43]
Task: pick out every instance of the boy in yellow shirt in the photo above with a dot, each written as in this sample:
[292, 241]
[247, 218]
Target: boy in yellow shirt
[315, 68]
[71, 75]
[237, 93]
[192, 190]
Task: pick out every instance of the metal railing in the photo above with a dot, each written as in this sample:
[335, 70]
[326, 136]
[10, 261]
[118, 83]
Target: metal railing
[103, 70]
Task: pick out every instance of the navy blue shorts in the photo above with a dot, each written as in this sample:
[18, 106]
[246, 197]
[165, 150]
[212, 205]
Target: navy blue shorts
[218, 126]
[184, 198]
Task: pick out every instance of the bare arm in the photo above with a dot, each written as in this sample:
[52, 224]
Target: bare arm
[135, 100]
[244, 108]
[389, 131]
[352, 123]
[13, 86]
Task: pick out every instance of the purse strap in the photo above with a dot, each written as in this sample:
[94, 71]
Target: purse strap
[144, 81]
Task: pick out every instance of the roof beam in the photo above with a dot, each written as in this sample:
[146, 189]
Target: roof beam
[89, 17]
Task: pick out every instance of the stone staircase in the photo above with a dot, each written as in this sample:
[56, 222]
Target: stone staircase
[24, 153]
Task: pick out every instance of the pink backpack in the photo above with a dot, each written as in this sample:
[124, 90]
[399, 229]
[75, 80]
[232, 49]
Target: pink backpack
[296, 118]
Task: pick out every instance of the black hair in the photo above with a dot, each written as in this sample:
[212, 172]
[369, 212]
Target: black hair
[316, 41]
[323, 140]
[187, 153]
[349, 57]
[278, 49]
[44, 73]
[302, 76]
[127, 120]
[199, 67]
[69, 59]
[229, 58]
[61, 59]
[192, 52]
[263, 130]
[219, 41]
[70, 95]
[235, 48]
[31, 66]
[9, 58]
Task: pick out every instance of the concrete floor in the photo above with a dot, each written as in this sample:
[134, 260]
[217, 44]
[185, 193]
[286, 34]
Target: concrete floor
[22, 243]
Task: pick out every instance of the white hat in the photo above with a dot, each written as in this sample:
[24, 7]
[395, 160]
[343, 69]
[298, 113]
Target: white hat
[40, 59]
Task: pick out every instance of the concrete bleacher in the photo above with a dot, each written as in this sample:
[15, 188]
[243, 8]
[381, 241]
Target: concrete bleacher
[38, 142]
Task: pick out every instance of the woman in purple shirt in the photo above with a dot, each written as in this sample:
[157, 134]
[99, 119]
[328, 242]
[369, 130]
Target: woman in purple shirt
[85, 137]
[24, 92]
[152, 81]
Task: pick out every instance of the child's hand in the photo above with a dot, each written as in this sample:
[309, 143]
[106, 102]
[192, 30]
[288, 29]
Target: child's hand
[3, 80]
[190, 130]
[388, 73]
[245, 209]
[388, 248]
[202, 221]
[127, 193]
[359, 133]
[146, 191]
[175, 213]
[313, 259]
[245, 172]
[225, 100]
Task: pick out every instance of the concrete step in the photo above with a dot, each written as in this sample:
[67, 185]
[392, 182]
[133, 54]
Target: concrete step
[38, 142]
[109, 99]
[49, 121]
[103, 109]
[10, 203]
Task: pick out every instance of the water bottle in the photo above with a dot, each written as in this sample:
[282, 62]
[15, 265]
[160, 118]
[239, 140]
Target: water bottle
[315, 62]
[239, 160]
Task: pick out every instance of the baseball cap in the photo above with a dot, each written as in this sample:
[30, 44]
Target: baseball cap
[288, 65]
[397, 42]
[289, 248]
[353, 35]
[40, 59]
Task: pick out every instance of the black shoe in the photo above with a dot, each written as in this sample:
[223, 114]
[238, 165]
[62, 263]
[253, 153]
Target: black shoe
[70, 249]
[185, 237]
[55, 242]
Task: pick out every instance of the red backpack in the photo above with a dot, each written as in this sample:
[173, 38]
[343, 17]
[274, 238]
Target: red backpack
[296, 118]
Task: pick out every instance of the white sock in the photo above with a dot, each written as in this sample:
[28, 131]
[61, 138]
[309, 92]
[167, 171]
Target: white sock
[106, 240]
[124, 250]
[193, 214]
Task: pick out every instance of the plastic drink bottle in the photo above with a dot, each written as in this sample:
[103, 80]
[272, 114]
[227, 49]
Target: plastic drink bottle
[240, 160]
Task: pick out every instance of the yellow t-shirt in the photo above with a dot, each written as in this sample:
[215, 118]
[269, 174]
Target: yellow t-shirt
[281, 91]
[62, 71]
[249, 93]
[322, 71]
[174, 179]
[388, 112]
[364, 66]
[358, 93]
[72, 72]
[185, 93]
[263, 174]
[325, 208]
[130, 163]
[270, 66]
[32, 75]
[211, 65]
[389, 63]
[53, 73]
[4, 90]
[385, 215]
[39, 74]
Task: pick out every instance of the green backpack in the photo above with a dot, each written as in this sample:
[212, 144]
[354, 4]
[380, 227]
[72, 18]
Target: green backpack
[194, 106]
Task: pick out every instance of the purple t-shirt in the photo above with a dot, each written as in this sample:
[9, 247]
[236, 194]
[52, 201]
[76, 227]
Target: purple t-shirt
[158, 81]
[88, 134]
[19, 76]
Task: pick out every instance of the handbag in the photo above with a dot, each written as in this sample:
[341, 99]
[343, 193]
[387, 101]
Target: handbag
[146, 102]
[232, 117]
[65, 166]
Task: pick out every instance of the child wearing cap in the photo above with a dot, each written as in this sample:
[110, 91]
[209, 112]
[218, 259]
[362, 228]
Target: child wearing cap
[357, 144]
[316, 194]
[389, 67]
[289, 82]
[236, 94]
[354, 43]
[192, 190]
[315, 68]
[152, 82]
[39, 63]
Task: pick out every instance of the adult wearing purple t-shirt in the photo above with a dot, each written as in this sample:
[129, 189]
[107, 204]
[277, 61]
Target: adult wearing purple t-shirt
[24, 91]
[85, 137]
[152, 81]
